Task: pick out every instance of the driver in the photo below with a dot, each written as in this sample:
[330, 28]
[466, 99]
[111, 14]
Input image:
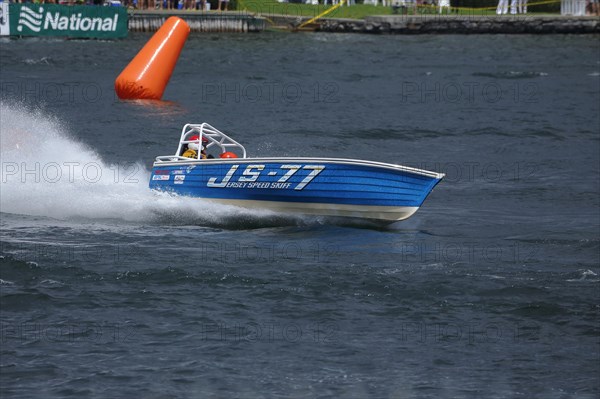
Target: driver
[192, 149]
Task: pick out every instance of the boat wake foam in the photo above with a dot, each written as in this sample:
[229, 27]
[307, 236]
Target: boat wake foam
[48, 173]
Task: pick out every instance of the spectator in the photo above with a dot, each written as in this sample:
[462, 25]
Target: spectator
[445, 6]
[502, 7]
[522, 6]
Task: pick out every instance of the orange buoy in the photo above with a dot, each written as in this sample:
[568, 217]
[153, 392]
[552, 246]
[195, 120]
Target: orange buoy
[148, 73]
[228, 154]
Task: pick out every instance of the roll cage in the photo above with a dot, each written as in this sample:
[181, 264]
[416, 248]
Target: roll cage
[205, 132]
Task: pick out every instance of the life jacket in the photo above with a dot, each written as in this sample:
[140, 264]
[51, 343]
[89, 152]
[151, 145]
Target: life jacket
[189, 153]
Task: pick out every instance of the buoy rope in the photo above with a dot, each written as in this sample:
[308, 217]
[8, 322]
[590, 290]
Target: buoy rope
[321, 15]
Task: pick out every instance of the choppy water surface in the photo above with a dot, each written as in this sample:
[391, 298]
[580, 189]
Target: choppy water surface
[490, 290]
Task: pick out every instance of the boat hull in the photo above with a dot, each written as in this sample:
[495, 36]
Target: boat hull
[314, 186]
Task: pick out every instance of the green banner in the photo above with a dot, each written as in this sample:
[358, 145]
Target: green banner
[103, 22]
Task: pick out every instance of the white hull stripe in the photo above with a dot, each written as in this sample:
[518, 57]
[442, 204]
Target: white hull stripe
[389, 213]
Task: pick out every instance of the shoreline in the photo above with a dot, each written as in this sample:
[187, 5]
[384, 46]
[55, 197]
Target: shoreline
[466, 25]
[240, 21]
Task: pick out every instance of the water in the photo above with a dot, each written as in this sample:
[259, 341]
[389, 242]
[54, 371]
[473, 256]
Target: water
[490, 290]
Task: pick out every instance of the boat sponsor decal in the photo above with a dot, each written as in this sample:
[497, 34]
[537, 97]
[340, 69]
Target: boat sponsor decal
[178, 172]
[250, 177]
[160, 177]
[161, 172]
[179, 179]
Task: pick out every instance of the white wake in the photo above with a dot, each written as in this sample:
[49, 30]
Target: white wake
[46, 172]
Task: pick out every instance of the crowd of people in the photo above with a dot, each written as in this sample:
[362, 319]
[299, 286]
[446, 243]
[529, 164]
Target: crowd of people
[516, 7]
[222, 5]
[592, 7]
[520, 7]
[451, 6]
[187, 5]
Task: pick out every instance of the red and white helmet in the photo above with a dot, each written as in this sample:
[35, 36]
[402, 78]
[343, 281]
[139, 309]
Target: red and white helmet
[194, 146]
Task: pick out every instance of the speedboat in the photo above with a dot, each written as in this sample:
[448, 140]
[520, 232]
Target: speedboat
[334, 187]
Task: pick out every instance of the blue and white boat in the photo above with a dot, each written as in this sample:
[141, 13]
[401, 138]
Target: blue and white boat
[333, 187]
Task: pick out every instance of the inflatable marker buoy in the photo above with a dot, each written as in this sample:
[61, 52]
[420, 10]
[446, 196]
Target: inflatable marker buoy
[147, 75]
